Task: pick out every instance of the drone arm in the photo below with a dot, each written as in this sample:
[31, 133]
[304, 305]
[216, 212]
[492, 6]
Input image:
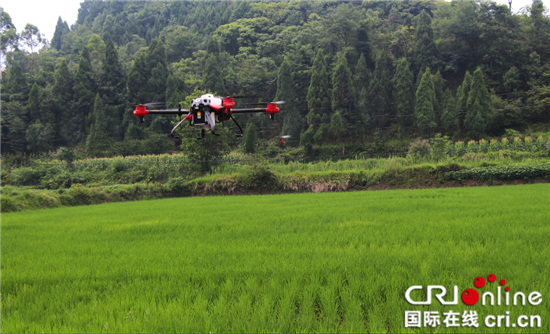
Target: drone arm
[247, 110]
[168, 111]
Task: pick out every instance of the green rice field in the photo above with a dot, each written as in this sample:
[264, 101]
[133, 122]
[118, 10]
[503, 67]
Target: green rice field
[328, 262]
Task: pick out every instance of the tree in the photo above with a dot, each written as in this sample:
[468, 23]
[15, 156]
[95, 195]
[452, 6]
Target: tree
[16, 85]
[31, 37]
[8, 34]
[438, 102]
[250, 136]
[213, 79]
[33, 105]
[112, 87]
[97, 49]
[84, 93]
[13, 127]
[462, 99]
[98, 141]
[60, 29]
[285, 92]
[512, 81]
[449, 117]
[479, 107]
[342, 87]
[336, 125]
[379, 91]
[424, 110]
[137, 81]
[403, 93]
[306, 139]
[425, 51]
[319, 92]
[39, 137]
[361, 82]
[156, 70]
[62, 94]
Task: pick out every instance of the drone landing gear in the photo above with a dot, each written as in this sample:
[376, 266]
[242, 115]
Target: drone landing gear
[202, 134]
[239, 134]
[175, 127]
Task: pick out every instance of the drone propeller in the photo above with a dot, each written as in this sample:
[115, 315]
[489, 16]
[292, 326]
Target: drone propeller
[239, 97]
[285, 137]
[264, 103]
[149, 104]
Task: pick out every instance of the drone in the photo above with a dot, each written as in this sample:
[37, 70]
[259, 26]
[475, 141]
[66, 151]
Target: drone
[208, 110]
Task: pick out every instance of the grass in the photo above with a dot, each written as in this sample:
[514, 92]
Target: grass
[330, 262]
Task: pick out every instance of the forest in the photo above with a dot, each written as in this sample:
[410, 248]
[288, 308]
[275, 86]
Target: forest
[351, 73]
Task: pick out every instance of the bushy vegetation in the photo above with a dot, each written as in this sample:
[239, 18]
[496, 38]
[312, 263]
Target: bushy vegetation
[332, 262]
[514, 172]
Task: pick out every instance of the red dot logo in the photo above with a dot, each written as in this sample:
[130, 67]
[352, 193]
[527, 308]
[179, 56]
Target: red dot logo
[502, 282]
[479, 282]
[507, 288]
[470, 296]
[492, 278]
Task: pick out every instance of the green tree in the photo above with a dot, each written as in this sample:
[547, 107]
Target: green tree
[157, 71]
[113, 87]
[62, 94]
[403, 94]
[250, 136]
[337, 125]
[361, 82]
[13, 127]
[449, 117]
[319, 92]
[8, 35]
[31, 36]
[306, 139]
[425, 52]
[462, 99]
[137, 81]
[60, 29]
[98, 141]
[479, 107]
[438, 91]
[342, 87]
[84, 93]
[39, 137]
[379, 91]
[292, 121]
[16, 84]
[33, 105]
[512, 81]
[424, 110]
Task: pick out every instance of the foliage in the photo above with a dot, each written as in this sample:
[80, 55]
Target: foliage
[512, 172]
[250, 138]
[162, 51]
[424, 109]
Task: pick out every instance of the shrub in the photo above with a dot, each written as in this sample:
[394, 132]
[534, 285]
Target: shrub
[178, 186]
[260, 176]
[460, 150]
[510, 172]
[419, 147]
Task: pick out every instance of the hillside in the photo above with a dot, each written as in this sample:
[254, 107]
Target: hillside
[350, 72]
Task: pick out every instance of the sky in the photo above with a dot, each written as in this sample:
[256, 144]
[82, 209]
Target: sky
[44, 14]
